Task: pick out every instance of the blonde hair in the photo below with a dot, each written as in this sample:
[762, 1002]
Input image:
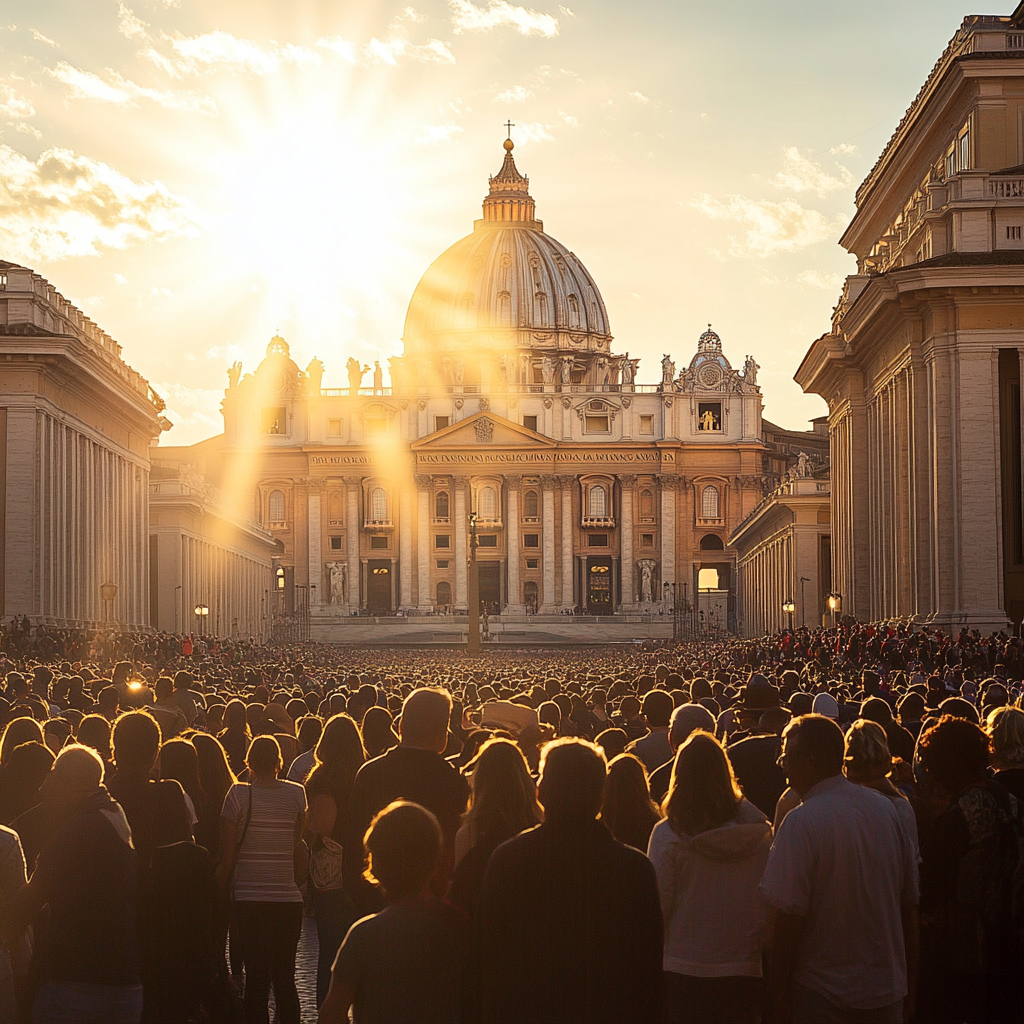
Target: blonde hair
[703, 793]
[867, 745]
[1005, 728]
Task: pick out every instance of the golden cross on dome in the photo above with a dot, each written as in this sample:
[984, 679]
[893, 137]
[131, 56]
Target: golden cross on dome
[509, 126]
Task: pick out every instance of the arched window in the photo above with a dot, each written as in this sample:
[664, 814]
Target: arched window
[711, 542]
[598, 502]
[530, 505]
[540, 306]
[441, 505]
[531, 595]
[709, 502]
[574, 311]
[444, 594]
[504, 309]
[647, 504]
[378, 505]
[488, 503]
[275, 507]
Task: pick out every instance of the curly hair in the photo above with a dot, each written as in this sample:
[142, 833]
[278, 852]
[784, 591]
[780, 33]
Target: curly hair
[954, 752]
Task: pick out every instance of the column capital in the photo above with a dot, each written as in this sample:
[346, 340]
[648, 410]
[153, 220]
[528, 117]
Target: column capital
[460, 481]
[566, 481]
[627, 479]
[351, 481]
[315, 484]
[423, 480]
[515, 480]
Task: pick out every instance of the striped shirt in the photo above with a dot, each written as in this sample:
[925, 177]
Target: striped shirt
[265, 866]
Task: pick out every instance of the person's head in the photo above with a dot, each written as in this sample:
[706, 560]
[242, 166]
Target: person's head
[657, 708]
[504, 800]
[215, 774]
[236, 716]
[629, 708]
[867, 756]
[425, 716]
[339, 751]
[875, 709]
[263, 758]
[179, 761]
[686, 720]
[1005, 728]
[94, 731]
[910, 708]
[954, 754]
[308, 732]
[26, 768]
[182, 680]
[136, 738]
[18, 731]
[77, 774]
[703, 793]
[403, 843]
[773, 721]
[627, 809]
[612, 742]
[572, 780]
[378, 732]
[170, 819]
[812, 751]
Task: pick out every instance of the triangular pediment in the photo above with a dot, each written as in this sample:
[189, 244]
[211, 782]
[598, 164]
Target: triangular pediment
[483, 430]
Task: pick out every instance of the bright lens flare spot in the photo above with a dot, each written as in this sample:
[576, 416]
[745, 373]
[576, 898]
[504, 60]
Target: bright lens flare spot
[135, 685]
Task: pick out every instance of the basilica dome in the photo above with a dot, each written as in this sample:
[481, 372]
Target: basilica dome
[507, 286]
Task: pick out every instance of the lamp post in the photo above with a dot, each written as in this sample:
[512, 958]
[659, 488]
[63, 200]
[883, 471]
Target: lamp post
[789, 608]
[108, 591]
[835, 603]
[177, 608]
[202, 611]
[473, 640]
[803, 607]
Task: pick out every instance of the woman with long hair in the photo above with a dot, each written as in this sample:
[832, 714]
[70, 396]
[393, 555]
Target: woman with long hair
[628, 810]
[235, 737]
[180, 761]
[339, 754]
[503, 804]
[378, 732]
[21, 778]
[709, 854]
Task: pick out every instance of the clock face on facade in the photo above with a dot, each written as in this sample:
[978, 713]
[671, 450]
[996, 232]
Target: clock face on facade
[709, 376]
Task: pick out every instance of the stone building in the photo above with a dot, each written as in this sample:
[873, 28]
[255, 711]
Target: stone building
[76, 424]
[591, 491]
[922, 366]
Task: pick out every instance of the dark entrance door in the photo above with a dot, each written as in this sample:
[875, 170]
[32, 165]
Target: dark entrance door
[378, 586]
[490, 587]
[599, 586]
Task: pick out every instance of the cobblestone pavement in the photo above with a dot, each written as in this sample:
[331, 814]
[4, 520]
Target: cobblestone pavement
[305, 970]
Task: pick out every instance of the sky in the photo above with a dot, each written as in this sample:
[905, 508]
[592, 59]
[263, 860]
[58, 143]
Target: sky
[196, 175]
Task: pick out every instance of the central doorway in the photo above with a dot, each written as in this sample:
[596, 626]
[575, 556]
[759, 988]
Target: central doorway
[599, 586]
[378, 586]
[489, 574]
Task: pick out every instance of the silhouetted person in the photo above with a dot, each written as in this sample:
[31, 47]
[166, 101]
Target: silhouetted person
[569, 921]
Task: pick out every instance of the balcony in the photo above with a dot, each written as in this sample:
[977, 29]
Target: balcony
[278, 527]
[705, 522]
[379, 525]
[598, 523]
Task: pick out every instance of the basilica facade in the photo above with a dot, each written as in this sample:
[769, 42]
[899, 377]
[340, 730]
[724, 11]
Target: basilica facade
[510, 418]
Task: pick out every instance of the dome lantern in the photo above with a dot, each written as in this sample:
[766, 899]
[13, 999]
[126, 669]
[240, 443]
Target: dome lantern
[509, 199]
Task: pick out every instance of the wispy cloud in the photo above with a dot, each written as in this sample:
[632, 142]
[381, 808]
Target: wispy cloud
[123, 92]
[769, 228]
[570, 119]
[129, 25]
[13, 104]
[196, 410]
[845, 147]
[40, 38]
[534, 131]
[516, 94]
[432, 134]
[467, 17]
[65, 204]
[212, 51]
[640, 98]
[801, 174]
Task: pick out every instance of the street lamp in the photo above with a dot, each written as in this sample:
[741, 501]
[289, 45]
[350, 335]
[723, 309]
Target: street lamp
[473, 640]
[201, 611]
[108, 591]
[835, 604]
[177, 608]
[789, 608]
[803, 607]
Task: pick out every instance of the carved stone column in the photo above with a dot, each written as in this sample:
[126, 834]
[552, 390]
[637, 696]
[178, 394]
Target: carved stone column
[314, 488]
[515, 603]
[406, 547]
[547, 606]
[568, 488]
[668, 533]
[424, 602]
[627, 486]
[353, 489]
[461, 544]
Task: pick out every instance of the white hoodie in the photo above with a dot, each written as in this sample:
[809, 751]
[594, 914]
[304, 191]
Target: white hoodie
[715, 917]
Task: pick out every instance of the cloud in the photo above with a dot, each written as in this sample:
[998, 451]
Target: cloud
[568, 12]
[517, 94]
[65, 205]
[129, 25]
[770, 228]
[845, 147]
[40, 38]
[800, 174]
[432, 134]
[467, 17]
[820, 279]
[534, 131]
[388, 51]
[198, 408]
[640, 98]
[13, 104]
[196, 55]
[570, 119]
[123, 92]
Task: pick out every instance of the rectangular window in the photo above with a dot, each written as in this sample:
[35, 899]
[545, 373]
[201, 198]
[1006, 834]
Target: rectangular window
[440, 422]
[335, 543]
[647, 540]
[709, 416]
[274, 421]
[442, 563]
[951, 163]
[443, 540]
[376, 424]
[489, 540]
[1015, 42]
[596, 424]
[964, 156]
[646, 424]
[530, 422]
[531, 540]
[598, 540]
[1013, 232]
[379, 543]
[533, 563]
[334, 428]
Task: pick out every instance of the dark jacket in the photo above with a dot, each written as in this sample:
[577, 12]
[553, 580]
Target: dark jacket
[569, 927]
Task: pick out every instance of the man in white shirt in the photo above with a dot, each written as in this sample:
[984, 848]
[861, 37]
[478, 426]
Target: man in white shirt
[842, 876]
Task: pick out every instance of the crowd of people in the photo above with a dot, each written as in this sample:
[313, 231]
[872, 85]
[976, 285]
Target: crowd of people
[818, 826]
